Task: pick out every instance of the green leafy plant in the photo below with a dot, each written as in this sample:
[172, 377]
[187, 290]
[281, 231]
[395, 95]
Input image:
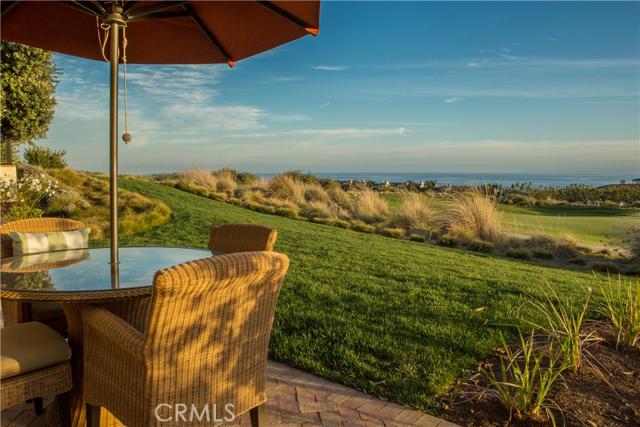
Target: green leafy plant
[622, 307]
[45, 157]
[563, 324]
[525, 378]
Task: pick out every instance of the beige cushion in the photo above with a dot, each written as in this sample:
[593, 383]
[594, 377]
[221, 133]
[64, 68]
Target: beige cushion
[30, 346]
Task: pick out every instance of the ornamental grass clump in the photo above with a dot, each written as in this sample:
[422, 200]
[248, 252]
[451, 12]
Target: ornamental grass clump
[225, 180]
[415, 212]
[474, 211]
[369, 206]
[526, 374]
[199, 176]
[621, 307]
[285, 187]
[563, 322]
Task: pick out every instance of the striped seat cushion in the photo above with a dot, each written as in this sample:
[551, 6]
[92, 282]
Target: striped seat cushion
[31, 243]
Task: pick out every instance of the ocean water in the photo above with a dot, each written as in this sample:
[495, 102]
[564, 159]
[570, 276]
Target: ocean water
[474, 178]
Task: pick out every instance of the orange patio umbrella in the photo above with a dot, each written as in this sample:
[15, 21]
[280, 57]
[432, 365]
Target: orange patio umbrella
[157, 32]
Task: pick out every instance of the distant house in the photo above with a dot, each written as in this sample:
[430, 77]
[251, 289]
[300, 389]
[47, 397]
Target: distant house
[636, 181]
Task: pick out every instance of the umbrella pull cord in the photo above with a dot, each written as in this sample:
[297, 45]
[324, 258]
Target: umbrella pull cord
[126, 136]
[102, 41]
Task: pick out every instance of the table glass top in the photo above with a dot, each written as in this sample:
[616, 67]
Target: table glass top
[89, 269]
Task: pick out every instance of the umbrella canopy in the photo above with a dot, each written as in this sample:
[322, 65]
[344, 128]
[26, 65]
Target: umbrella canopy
[157, 32]
[163, 32]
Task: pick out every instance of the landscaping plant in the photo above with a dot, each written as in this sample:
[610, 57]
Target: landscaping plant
[475, 211]
[622, 308]
[526, 376]
[563, 322]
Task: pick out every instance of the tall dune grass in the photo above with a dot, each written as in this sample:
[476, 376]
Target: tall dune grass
[285, 187]
[474, 211]
[415, 212]
[225, 180]
[369, 206]
[200, 176]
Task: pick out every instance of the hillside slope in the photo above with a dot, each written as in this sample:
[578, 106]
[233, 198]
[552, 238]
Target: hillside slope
[394, 318]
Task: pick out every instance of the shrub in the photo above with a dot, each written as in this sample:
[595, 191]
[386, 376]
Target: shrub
[45, 157]
[518, 253]
[219, 197]
[315, 193]
[199, 176]
[285, 187]
[448, 240]
[17, 211]
[622, 308]
[319, 220]
[396, 233]
[525, 379]
[316, 210]
[417, 238]
[479, 245]
[362, 227]
[543, 254]
[567, 249]
[287, 213]
[339, 196]
[369, 206]
[66, 204]
[605, 267]
[255, 196]
[226, 180]
[341, 223]
[577, 261]
[193, 188]
[474, 211]
[540, 241]
[415, 212]
[632, 238]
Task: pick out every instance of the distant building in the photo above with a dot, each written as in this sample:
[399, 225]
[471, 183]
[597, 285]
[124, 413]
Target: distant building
[623, 181]
[636, 181]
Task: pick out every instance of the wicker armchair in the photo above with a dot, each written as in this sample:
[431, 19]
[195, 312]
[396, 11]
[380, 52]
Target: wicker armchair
[205, 343]
[35, 363]
[232, 238]
[48, 313]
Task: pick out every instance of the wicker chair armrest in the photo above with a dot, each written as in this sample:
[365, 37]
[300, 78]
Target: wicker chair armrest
[102, 326]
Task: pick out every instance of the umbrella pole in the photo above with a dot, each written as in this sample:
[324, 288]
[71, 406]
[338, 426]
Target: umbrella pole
[114, 33]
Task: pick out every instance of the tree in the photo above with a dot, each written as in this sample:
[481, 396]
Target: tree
[28, 78]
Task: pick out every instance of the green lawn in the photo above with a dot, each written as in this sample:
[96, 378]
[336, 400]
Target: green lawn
[602, 226]
[588, 225]
[392, 317]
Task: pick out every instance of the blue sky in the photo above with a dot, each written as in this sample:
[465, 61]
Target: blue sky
[417, 87]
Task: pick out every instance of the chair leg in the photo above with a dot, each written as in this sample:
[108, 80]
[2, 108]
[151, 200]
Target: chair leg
[93, 416]
[37, 406]
[258, 416]
[64, 409]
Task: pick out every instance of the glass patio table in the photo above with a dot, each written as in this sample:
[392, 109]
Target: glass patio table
[76, 278]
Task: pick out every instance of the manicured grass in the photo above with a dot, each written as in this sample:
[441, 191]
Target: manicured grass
[603, 226]
[396, 318]
[588, 225]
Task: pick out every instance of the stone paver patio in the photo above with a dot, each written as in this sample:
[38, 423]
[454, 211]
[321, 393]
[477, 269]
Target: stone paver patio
[299, 399]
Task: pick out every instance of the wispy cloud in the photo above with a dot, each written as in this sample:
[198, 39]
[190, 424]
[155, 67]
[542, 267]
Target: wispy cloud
[325, 105]
[339, 133]
[330, 67]
[453, 100]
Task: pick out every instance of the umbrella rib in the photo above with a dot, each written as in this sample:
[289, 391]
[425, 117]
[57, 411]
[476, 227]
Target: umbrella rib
[212, 38]
[81, 7]
[288, 16]
[133, 15]
[7, 6]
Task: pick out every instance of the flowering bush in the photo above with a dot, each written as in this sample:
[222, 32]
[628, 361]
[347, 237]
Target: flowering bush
[24, 198]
